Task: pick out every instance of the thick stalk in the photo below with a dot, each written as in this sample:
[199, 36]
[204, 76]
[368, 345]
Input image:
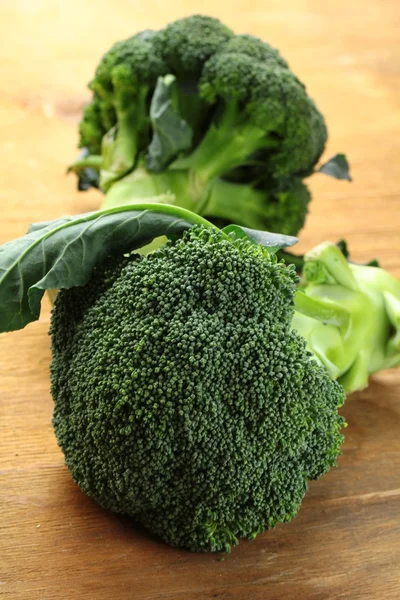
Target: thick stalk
[235, 203]
[349, 316]
[226, 145]
[182, 187]
[332, 320]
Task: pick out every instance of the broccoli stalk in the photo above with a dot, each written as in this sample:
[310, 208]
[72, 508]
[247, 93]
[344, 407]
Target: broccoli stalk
[226, 145]
[349, 315]
[121, 144]
[286, 205]
[147, 186]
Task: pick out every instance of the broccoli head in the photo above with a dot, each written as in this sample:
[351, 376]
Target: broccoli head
[186, 44]
[184, 399]
[194, 105]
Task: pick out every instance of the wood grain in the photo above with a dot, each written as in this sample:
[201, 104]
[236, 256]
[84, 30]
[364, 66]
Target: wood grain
[55, 543]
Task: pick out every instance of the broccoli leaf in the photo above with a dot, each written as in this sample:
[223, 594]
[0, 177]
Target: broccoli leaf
[271, 241]
[87, 167]
[62, 253]
[171, 133]
[336, 167]
[48, 225]
[87, 179]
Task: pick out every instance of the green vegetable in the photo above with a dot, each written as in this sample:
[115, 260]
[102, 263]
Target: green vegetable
[349, 315]
[185, 393]
[336, 167]
[215, 120]
[181, 396]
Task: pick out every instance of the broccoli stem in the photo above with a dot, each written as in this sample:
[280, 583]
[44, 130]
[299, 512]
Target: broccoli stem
[326, 264]
[92, 161]
[392, 304]
[383, 292]
[140, 185]
[120, 144]
[322, 309]
[218, 200]
[227, 144]
[332, 321]
[229, 201]
[107, 112]
[349, 316]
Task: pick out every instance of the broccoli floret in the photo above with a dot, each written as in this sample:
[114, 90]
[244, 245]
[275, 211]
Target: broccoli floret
[262, 113]
[214, 107]
[118, 124]
[349, 315]
[182, 396]
[92, 128]
[186, 44]
[255, 48]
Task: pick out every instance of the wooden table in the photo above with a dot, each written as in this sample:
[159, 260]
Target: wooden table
[55, 543]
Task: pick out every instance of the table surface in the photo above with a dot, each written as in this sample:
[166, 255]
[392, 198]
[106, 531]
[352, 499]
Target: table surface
[54, 541]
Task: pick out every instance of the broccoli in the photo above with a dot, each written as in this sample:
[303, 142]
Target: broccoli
[196, 385]
[182, 397]
[194, 110]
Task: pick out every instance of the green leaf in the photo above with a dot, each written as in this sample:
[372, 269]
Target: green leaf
[336, 167]
[271, 241]
[171, 133]
[87, 179]
[87, 166]
[62, 253]
[342, 245]
[48, 225]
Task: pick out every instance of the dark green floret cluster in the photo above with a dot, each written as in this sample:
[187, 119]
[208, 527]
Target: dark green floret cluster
[182, 396]
[189, 109]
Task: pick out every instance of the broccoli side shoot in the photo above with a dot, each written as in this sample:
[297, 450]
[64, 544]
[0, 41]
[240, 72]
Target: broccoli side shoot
[182, 396]
[116, 124]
